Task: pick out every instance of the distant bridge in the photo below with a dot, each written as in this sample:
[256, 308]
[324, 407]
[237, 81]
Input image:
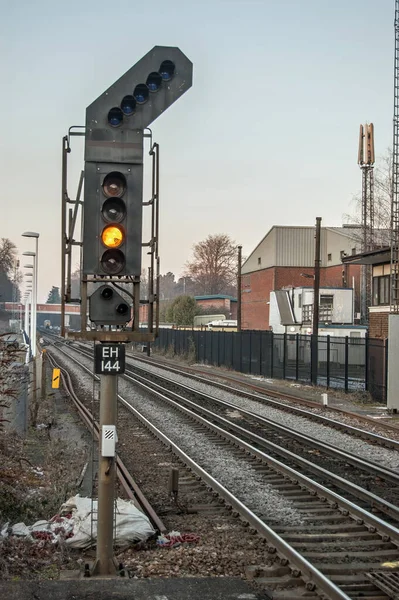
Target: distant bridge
[51, 312]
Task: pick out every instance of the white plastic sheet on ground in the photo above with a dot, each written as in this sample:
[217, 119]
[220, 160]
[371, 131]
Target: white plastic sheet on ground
[74, 524]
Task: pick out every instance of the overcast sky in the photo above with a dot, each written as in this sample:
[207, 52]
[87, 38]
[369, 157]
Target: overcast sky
[266, 136]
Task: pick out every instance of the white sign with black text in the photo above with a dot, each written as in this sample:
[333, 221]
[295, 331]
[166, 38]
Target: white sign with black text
[109, 359]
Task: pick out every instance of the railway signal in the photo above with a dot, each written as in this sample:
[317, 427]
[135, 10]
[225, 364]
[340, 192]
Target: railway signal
[115, 123]
[112, 237]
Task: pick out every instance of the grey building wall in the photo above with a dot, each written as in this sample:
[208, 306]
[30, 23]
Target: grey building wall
[290, 246]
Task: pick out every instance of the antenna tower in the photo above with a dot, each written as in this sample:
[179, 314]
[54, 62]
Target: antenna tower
[395, 177]
[366, 159]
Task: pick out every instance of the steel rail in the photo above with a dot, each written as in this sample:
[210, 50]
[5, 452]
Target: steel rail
[355, 490]
[312, 575]
[263, 397]
[325, 447]
[356, 511]
[130, 486]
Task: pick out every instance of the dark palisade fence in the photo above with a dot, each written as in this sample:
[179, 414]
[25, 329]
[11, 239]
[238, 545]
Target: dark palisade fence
[344, 363]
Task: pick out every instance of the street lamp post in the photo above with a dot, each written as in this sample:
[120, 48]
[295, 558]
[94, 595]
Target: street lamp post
[34, 299]
[35, 235]
[27, 301]
[30, 279]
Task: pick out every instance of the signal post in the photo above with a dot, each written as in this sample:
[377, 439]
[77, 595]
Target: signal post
[112, 242]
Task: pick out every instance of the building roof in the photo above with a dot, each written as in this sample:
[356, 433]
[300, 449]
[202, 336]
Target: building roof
[216, 297]
[371, 257]
[294, 246]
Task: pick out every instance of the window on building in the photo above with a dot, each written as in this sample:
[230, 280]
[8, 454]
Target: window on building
[326, 308]
[353, 251]
[342, 253]
[329, 256]
[307, 313]
[259, 260]
[355, 337]
[299, 300]
[381, 290]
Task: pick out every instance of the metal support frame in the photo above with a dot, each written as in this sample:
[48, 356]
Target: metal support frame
[68, 224]
[394, 301]
[68, 221]
[153, 271]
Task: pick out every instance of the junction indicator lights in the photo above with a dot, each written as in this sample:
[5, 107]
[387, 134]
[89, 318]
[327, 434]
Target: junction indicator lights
[113, 190]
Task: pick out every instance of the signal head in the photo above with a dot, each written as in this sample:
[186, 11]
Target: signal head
[141, 93]
[114, 184]
[113, 262]
[167, 70]
[112, 236]
[115, 117]
[154, 81]
[128, 105]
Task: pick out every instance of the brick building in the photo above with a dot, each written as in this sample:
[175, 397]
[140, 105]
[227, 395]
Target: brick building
[219, 303]
[380, 261]
[285, 259]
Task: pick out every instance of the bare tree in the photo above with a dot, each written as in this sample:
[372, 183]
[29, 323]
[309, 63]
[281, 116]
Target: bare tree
[214, 265]
[8, 253]
[382, 203]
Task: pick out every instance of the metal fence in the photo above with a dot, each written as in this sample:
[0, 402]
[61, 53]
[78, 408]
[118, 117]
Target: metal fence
[343, 362]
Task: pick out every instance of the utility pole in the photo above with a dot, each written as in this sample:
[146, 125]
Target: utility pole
[239, 289]
[316, 291]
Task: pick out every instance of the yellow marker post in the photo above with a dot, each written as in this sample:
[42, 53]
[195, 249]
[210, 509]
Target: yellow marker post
[55, 383]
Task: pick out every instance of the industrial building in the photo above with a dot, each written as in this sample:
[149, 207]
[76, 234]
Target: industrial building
[284, 259]
[380, 261]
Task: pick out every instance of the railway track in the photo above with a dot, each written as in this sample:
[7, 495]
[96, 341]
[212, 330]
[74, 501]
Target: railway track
[328, 463]
[281, 400]
[129, 485]
[338, 548]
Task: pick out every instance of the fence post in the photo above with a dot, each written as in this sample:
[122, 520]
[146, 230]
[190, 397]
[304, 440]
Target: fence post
[366, 362]
[328, 361]
[297, 357]
[284, 352]
[240, 334]
[314, 358]
[250, 351]
[271, 354]
[260, 351]
[346, 362]
[386, 350]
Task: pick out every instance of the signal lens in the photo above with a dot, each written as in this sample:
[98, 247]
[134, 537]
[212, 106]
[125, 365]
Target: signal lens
[107, 293]
[112, 236]
[114, 184]
[167, 70]
[113, 210]
[122, 309]
[141, 93]
[115, 117]
[154, 81]
[128, 105]
[113, 261]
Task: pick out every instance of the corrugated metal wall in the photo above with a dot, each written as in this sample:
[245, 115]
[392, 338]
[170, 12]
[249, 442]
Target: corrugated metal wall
[295, 246]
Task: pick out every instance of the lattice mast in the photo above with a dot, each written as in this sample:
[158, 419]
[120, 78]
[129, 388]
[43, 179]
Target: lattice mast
[366, 159]
[395, 176]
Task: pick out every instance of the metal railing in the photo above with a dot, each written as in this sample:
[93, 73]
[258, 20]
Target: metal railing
[350, 364]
